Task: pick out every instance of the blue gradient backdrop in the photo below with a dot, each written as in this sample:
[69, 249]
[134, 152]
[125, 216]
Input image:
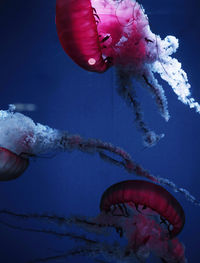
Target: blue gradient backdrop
[35, 69]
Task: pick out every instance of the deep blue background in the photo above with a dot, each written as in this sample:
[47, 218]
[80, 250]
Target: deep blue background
[35, 69]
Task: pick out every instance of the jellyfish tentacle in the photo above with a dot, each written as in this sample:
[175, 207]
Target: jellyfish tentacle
[110, 159]
[121, 208]
[127, 92]
[71, 235]
[125, 210]
[79, 251]
[150, 137]
[112, 253]
[158, 93]
[91, 248]
[113, 210]
[137, 208]
[71, 142]
[130, 166]
[57, 219]
[66, 221]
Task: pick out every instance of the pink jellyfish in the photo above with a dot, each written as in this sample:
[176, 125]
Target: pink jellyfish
[21, 138]
[98, 34]
[144, 213]
[147, 215]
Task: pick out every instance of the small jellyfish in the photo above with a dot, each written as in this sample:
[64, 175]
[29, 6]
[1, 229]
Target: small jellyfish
[149, 217]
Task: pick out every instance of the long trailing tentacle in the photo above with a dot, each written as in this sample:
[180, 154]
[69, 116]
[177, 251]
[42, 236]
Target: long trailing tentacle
[158, 92]
[134, 168]
[150, 137]
[92, 248]
[102, 148]
[80, 238]
[127, 92]
[111, 253]
[78, 221]
[75, 252]
[71, 142]
[80, 251]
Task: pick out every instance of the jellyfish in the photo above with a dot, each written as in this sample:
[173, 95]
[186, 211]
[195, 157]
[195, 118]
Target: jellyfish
[147, 215]
[143, 213]
[98, 34]
[21, 139]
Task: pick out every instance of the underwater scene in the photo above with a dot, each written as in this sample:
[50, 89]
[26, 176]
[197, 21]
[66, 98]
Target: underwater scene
[99, 131]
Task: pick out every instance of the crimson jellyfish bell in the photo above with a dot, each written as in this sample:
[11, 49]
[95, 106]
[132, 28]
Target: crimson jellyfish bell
[77, 32]
[12, 165]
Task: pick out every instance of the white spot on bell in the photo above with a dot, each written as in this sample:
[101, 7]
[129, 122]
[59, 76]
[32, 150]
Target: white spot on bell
[91, 61]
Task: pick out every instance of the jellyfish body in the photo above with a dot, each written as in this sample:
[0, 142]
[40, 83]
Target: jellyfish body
[97, 34]
[11, 165]
[148, 215]
[141, 212]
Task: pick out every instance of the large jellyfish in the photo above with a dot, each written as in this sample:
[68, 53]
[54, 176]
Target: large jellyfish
[98, 34]
[144, 213]
[21, 138]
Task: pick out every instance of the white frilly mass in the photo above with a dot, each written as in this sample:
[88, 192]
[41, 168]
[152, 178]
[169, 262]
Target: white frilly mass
[143, 56]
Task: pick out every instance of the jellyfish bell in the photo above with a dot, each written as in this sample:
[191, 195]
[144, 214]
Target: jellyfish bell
[92, 31]
[78, 34]
[149, 195]
[98, 34]
[11, 164]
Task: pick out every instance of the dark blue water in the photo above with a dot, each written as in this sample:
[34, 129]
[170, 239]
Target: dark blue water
[34, 69]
